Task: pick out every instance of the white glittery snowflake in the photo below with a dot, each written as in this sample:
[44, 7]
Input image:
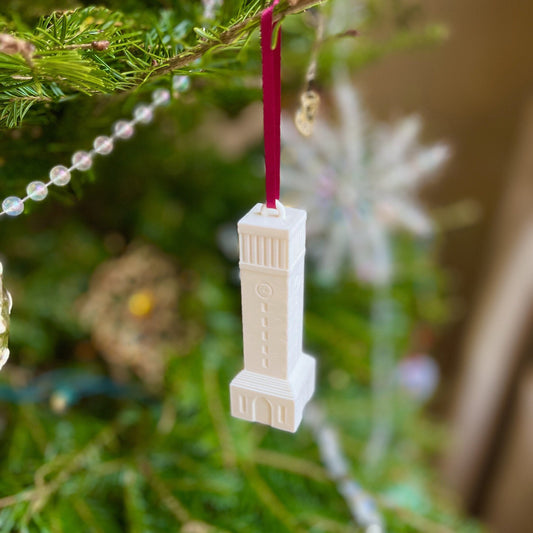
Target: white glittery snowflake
[357, 180]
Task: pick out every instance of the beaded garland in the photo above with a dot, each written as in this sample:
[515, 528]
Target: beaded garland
[60, 175]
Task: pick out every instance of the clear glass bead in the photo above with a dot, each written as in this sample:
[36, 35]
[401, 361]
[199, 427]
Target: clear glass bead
[37, 190]
[13, 206]
[60, 175]
[181, 83]
[103, 145]
[143, 113]
[82, 160]
[123, 129]
[161, 97]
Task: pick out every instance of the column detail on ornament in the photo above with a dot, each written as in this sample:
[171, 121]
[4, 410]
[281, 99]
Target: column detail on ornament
[278, 378]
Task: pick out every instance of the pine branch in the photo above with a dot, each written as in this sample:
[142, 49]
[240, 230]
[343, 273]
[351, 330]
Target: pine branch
[269, 498]
[292, 464]
[94, 51]
[40, 493]
[231, 35]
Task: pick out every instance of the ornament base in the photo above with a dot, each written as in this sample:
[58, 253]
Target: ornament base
[273, 401]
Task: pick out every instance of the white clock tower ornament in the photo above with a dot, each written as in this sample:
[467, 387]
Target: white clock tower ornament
[278, 378]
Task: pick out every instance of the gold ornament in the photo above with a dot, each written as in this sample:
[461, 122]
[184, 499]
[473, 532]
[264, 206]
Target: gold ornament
[132, 312]
[5, 309]
[306, 114]
[141, 303]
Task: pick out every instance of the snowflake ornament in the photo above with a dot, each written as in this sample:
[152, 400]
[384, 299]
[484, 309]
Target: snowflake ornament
[358, 181]
[6, 303]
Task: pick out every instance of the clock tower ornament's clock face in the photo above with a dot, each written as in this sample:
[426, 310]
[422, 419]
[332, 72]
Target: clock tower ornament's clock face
[278, 378]
[264, 290]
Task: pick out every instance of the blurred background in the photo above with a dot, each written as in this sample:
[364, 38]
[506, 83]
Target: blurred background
[474, 92]
[411, 153]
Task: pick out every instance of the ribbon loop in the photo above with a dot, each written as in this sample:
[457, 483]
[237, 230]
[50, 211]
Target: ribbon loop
[271, 59]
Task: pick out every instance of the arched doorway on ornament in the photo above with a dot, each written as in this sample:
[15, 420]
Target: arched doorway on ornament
[262, 410]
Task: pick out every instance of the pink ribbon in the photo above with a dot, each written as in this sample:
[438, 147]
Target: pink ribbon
[271, 104]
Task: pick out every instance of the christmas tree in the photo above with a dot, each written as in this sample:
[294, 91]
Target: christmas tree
[126, 325]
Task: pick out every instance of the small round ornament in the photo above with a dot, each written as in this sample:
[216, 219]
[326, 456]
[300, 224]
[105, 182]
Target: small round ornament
[60, 175]
[123, 129]
[103, 145]
[161, 97]
[82, 160]
[181, 84]
[143, 113]
[37, 191]
[418, 375]
[13, 206]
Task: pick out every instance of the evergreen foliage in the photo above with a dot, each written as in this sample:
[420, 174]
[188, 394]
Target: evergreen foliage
[111, 457]
[96, 50]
